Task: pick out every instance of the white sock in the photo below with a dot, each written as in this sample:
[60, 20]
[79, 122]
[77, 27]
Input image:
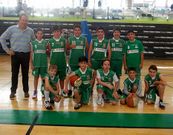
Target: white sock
[46, 94]
[100, 95]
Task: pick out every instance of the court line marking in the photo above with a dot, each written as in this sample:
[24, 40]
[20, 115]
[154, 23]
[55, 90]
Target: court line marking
[32, 124]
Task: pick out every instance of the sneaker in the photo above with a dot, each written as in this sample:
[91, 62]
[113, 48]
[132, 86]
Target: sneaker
[161, 105]
[52, 101]
[47, 105]
[26, 95]
[100, 101]
[43, 96]
[34, 96]
[12, 96]
[65, 95]
[77, 106]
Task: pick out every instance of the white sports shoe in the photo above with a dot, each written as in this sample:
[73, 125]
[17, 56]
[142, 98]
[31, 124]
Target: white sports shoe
[100, 101]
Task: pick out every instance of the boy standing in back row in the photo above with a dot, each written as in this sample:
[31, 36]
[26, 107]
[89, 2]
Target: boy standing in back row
[78, 45]
[58, 57]
[38, 59]
[116, 47]
[134, 56]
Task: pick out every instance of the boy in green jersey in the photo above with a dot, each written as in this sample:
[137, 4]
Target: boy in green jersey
[154, 85]
[116, 47]
[77, 45]
[58, 53]
[134, 55]
[132, 87]
[38, 59]
[98, 49]
[107, 83]
[83, 92]
[51, 87]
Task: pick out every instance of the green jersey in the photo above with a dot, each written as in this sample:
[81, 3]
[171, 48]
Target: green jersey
[108, 78]
[133, 52]
[117, 49]
[39, 56]
[99, 49]
[57, 55]
[150, 80]
[52, 80]
[128, 86]
[86, 76]
[78, 51]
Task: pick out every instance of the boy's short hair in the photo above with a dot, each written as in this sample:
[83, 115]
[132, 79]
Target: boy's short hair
[131, 69]
[53, 67]
[38, 29]
[105, 60]
[83, 59]
[130, 31]
[116, 29]
[100, 28]
[76, 26]
[56, 28]
[153, 67]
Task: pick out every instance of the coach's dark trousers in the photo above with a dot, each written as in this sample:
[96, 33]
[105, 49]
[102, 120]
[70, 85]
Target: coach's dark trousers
[20, 58]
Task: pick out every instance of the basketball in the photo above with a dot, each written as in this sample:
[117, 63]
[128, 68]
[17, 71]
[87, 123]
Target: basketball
[132, 100]
[75, 81]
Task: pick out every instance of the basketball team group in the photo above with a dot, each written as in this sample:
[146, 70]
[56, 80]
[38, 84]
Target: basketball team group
[95, 65]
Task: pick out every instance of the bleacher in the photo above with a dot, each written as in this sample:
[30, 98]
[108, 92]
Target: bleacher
[156, 38]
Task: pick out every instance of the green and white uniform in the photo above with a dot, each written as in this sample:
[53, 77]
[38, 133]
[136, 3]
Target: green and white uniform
[39, 57]
[117, 52]
[152, 91]
[85, 88]
[76, 52]
[58, 56]
[99, 51]
[109, 78]
[128, 87]
[133, 51]
[53, 82]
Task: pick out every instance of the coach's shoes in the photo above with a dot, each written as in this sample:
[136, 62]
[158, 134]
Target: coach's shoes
[77, 106]
[34, 96]
[12, 96]
[161, 105]
[26, 95]
[47, 105]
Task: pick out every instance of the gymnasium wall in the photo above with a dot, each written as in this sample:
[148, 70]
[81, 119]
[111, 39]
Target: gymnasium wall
[156, 38]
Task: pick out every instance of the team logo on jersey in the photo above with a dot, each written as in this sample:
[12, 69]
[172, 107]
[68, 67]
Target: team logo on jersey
[128, 47]
[88, 77]
[121, 45]
[136, 46]
[73, 43]
[35, 46]
[109, 79]
[62, 44]
[52, 44]
[95, 44]
[113, 44]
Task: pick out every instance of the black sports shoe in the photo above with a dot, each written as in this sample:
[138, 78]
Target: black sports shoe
[77, 106]
[52, 101]
[26, 95]
[12, 96]
[161, 105]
